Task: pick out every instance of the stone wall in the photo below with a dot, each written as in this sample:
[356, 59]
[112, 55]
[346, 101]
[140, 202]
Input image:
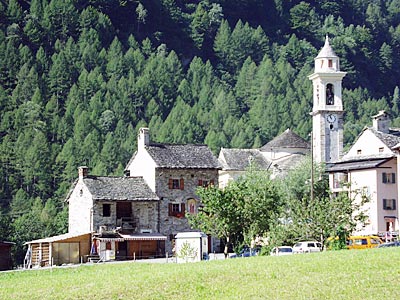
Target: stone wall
[145, 214]
[171, 225]
[80, 205]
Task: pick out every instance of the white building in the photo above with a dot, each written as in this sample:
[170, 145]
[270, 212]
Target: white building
[278, 156]
[371, 166]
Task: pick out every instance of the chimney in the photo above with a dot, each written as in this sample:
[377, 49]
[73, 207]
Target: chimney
[83, 172]
[143, 138]
[381, 121]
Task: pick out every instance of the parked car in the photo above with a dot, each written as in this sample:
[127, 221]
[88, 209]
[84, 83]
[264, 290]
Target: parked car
[363, 242]
[246, 252]
[389, 244]
[307, 247]
[281, 250]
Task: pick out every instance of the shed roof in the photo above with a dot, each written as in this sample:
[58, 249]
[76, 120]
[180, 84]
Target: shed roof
[288, 139]
[187, 156]
[59, 238]
[119, 188]
[240, 159]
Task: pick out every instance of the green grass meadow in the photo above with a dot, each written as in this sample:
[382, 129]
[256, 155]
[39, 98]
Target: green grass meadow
[357, 274]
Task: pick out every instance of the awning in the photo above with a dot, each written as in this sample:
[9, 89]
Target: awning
[144, 237]
[109, 239]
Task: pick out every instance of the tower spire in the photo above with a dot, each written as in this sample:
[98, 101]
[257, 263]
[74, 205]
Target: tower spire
[327, 106]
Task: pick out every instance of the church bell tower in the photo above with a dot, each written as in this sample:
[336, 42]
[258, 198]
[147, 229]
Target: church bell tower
[327, 112]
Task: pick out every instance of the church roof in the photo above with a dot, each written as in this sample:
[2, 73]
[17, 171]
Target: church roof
[288, 139]
[287, 163]
[119, 188]
[187, 156]
[240, 159]
[327, 50]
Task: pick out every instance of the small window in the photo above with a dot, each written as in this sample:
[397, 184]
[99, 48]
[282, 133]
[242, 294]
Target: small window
[381, 149]
[389, 204]
[330, 63]
[205, 183]
[388, 177]
[176, 184]
[359, 151]
[106, 210]
[176, 210]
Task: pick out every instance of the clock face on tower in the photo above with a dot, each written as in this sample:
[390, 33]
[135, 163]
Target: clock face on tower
[331, 118]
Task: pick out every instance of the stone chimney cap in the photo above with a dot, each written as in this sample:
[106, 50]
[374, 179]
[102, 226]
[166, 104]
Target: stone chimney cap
[83, 171]
[381, 114]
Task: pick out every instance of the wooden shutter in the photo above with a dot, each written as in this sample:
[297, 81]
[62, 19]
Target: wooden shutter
[183, 209]
[170, 184]
[384, 178]
[200, 182]
[212, 182]
[393, 177]
[181, 184]
[169, 209]
[394, 203]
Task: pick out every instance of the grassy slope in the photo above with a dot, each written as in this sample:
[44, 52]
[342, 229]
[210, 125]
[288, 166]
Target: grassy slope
[364, 274]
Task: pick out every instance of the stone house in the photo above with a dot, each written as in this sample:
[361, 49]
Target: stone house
[121, 212]
[133, 216]
[278, 156]
[174, 172]
[371, 166]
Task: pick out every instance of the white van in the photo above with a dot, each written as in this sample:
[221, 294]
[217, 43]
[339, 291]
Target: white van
[307, 247]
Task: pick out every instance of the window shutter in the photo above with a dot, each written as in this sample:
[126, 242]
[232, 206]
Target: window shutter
[384, 204]
[394, 204]
[183, 210]
[212, 182]
[170, 184]
[200, 182]
[393, 177]
[181, 184]
[169, 209]
[384, 178]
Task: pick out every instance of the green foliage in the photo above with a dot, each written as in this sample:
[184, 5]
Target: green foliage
[77, 78]
[241, 211]
[312, 212]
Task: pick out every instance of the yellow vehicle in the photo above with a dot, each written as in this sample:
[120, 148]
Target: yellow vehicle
[363, 242]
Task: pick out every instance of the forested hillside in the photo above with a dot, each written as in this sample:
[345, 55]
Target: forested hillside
[78, 78]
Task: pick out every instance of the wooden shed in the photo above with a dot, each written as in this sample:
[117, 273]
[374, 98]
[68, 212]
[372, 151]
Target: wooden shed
[5, 255]
[69, 248]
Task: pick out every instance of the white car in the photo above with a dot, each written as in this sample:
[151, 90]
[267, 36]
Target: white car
[307, 247]
[282, 250]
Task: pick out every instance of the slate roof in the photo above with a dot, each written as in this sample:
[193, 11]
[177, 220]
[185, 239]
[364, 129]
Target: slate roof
[288, 162]
[288, 139]
[239, 159]
[187, 156]
[357, 164]
[390, 139]
[119, 188]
